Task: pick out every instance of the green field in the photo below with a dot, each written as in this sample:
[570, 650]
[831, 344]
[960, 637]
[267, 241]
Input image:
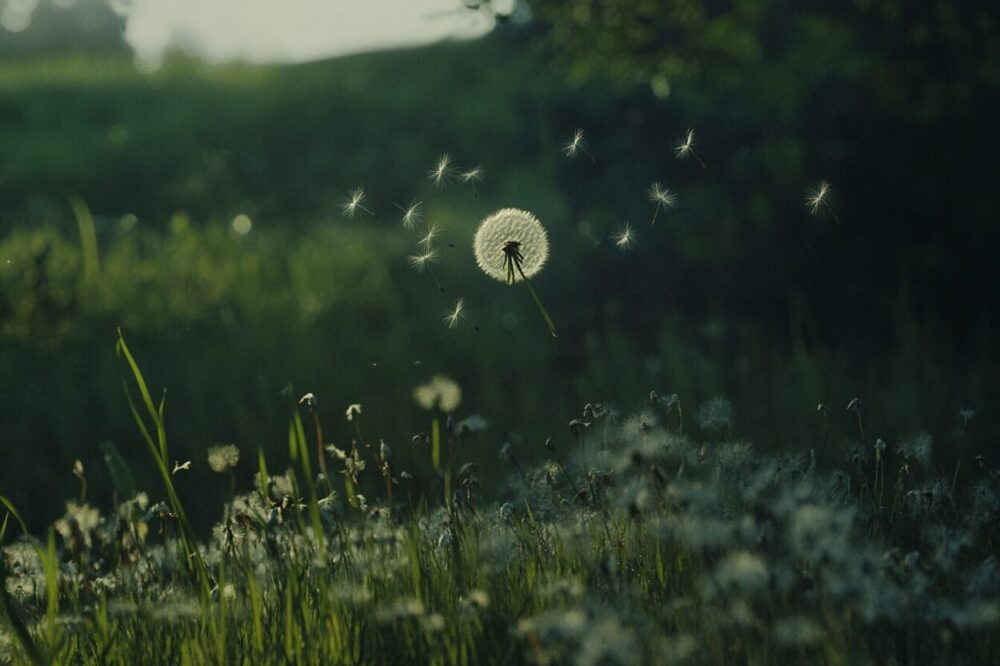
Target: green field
[764, 434]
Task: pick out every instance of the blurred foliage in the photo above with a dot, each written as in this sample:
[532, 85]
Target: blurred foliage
[920, 59]
[737, 292]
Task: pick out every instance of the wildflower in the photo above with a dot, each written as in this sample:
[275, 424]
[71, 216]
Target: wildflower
[352, 411]
[819, 197]
[78, 523]
[353, 203]
[354, 464]
[511, 245]
[411, 215]
[624, 238]
[440, 392]
[685, 148]
[578, 144]
[662, 197]
[223, 458]
[442, 171]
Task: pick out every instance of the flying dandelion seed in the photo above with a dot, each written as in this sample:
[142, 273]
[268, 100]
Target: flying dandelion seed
[577, 145]
[662, 197]
[353, 203]
[819, 198]
[457, 316]
[411, 215]
[428, 240]
[442, 171]
[624, 238]
[419, 262]
[685, 148]
[474, 177]
[511, 245]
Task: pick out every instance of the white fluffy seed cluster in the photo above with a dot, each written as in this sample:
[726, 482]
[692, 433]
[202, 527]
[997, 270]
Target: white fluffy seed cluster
[502, 227]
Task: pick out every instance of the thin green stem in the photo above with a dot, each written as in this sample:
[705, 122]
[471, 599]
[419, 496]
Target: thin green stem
[538, 301]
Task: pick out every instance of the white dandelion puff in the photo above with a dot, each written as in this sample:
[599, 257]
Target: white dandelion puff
[511, 245]
[819, 197]
[685, 148]
[577, 145]
[662, 197]
[624, 238]
[442, 171]
[411, 215]
[223, 458]
[440, 392]
[353, 203]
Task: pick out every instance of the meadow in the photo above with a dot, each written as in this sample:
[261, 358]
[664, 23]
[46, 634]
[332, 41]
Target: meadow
[268, 399]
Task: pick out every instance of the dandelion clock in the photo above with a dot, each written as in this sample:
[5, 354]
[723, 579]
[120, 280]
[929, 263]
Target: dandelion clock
[511, 245]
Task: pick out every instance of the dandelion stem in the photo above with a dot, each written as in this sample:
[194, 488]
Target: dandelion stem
[534, 295]
[434, 277]
[699, 160]
[829, 208]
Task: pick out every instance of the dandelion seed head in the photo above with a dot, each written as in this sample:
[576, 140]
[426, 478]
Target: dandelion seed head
[511, 225]
[223, 458]
[440, 392]
[917, 448]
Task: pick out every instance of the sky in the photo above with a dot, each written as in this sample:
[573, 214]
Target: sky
[293, 30]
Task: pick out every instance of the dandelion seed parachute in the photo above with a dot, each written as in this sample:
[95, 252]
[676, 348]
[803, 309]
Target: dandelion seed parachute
[505, 226]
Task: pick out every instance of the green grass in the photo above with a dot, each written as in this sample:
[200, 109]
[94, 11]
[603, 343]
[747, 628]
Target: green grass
[649, 547]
